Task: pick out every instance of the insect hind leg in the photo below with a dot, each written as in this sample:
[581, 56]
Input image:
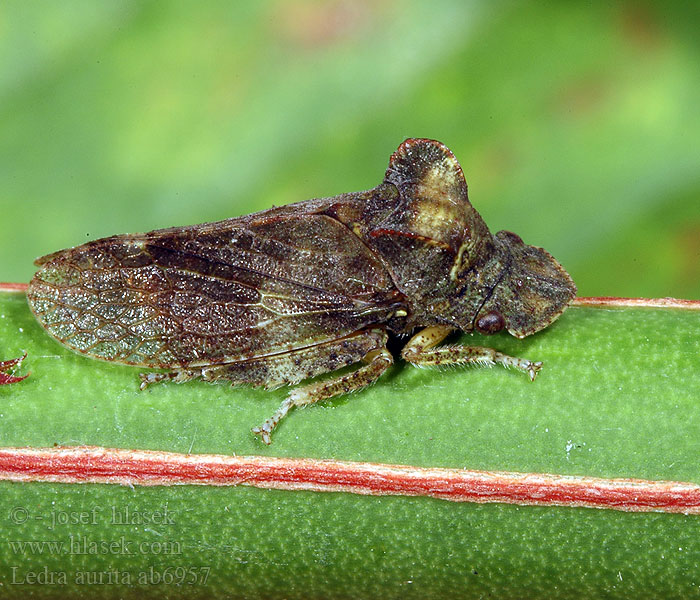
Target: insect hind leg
[178, 376]
[289, 368]
[286, 368]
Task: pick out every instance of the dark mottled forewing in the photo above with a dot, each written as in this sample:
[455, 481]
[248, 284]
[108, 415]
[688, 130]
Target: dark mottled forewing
[213, 293]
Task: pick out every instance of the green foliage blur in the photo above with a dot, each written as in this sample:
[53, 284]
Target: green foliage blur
[577, 124]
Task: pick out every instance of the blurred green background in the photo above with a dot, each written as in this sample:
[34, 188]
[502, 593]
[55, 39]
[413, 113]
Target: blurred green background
[577, 124]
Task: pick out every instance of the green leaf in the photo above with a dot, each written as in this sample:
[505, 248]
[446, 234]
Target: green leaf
[617, 397]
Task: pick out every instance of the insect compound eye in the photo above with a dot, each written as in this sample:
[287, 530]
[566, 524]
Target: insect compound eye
[491, 322]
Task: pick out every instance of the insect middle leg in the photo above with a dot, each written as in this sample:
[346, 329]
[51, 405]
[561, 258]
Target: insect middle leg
[376, 358]
[289, 368]
[421, 350]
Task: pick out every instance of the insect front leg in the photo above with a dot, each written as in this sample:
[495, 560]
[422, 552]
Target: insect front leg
[377, 360]
[421, 350]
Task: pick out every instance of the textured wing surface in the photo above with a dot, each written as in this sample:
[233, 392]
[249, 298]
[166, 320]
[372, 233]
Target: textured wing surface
[207, 294]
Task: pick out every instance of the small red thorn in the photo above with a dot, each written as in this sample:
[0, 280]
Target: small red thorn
[5, 378]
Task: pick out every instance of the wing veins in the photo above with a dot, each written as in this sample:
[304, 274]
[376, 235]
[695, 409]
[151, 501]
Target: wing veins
[241, 267]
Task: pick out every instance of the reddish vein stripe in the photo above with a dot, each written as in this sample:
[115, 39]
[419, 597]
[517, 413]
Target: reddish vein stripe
[13, 287]
[610, 302]
[89, 464]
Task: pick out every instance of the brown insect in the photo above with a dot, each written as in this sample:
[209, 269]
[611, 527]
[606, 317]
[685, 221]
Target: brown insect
[282, 295]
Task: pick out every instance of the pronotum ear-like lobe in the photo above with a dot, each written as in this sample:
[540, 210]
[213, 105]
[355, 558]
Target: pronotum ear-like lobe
[434, 206]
